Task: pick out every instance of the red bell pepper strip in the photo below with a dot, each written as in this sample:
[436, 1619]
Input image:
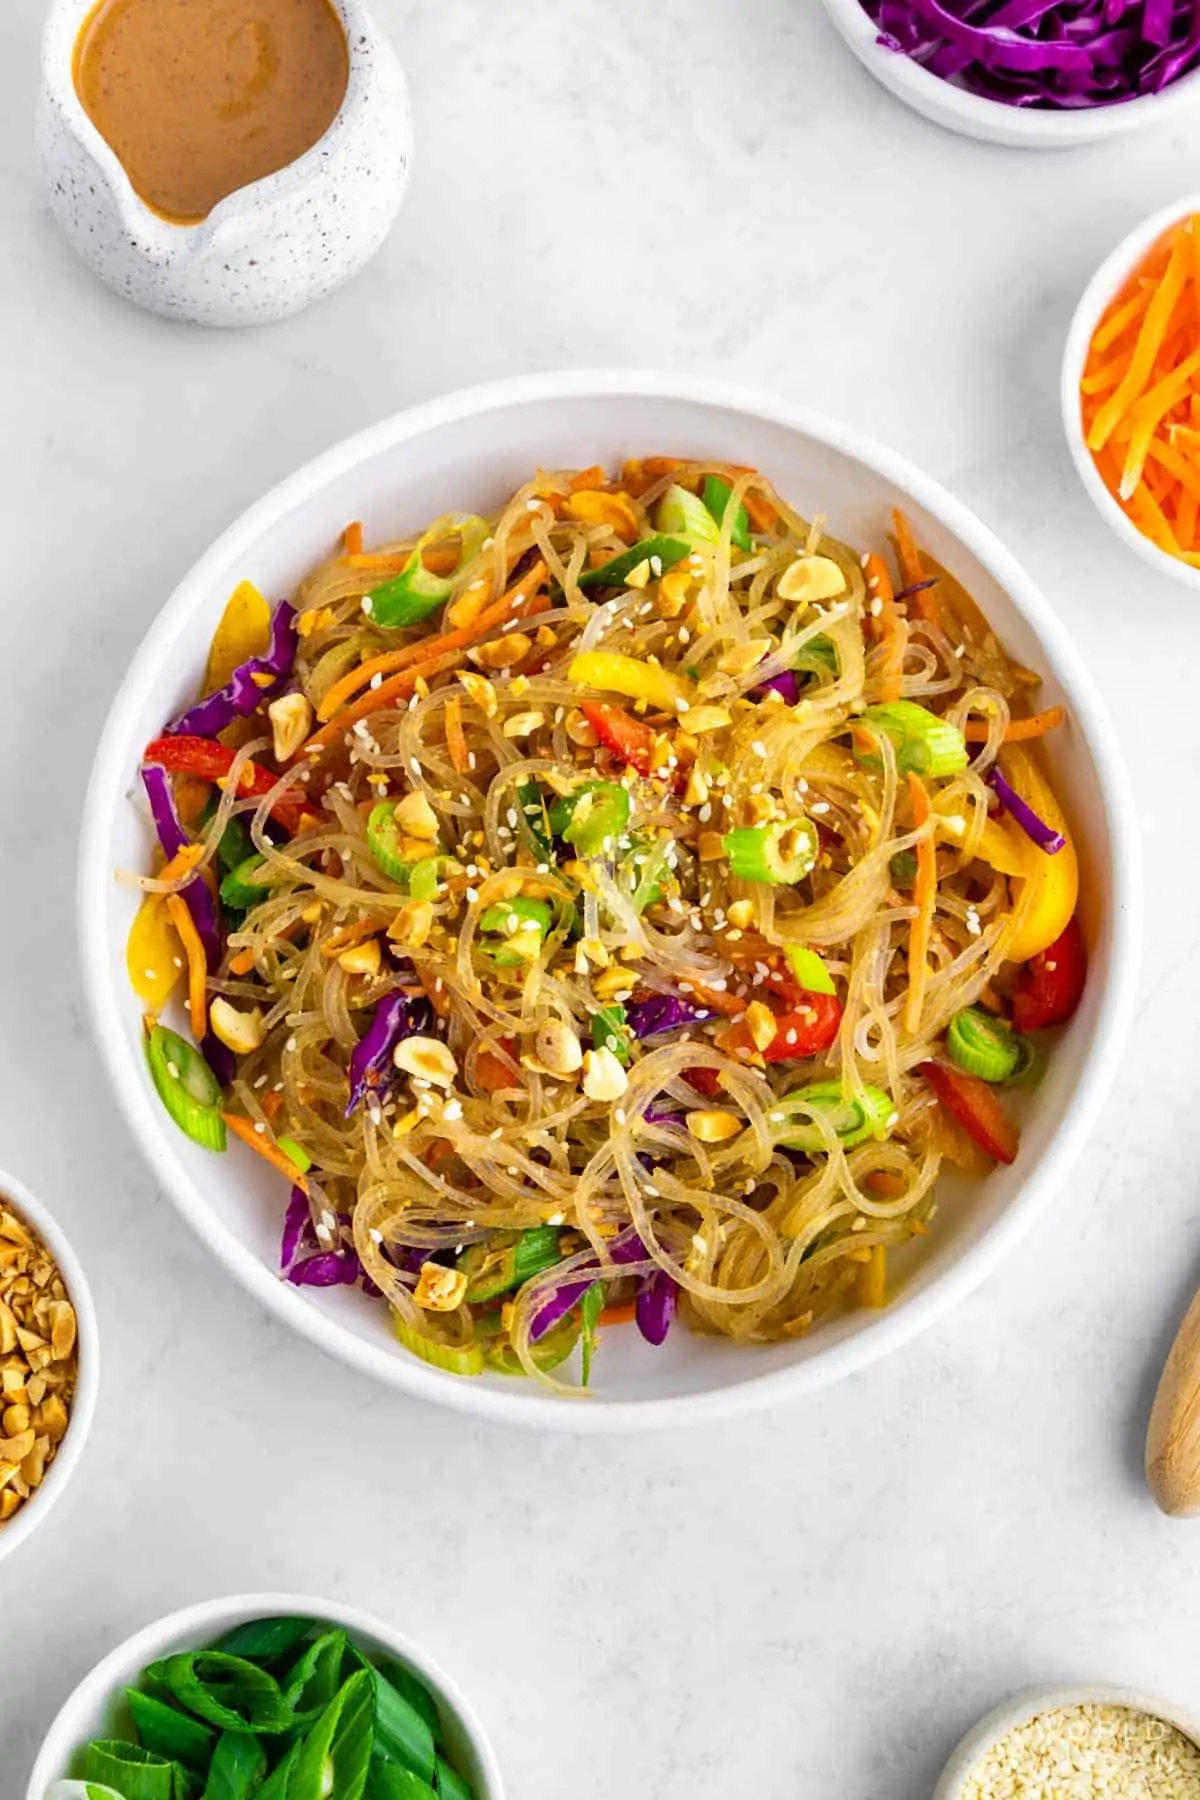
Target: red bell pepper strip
[621, 733]
[1050, 985]
[212, 761]
[975, 1106]
[705, 1081]
[808, 1031]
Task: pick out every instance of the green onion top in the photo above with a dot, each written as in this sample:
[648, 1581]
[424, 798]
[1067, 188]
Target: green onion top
[983, 1045]
[924, 743]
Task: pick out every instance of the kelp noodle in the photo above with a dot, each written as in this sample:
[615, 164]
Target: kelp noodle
[441, 1013]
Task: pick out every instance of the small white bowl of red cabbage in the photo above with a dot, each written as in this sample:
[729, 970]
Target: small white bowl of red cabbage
[1035, 73]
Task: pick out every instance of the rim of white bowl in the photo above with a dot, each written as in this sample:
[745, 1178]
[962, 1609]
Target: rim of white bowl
[1029, 1702]
[974, 114]
[479, 1398]
[59, 1744]
[1112, 274]
[23, 1524]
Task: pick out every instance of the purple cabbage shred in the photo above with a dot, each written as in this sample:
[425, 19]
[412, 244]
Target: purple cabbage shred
[1044, 53]
[242, 693]
[395, 1017]
[196, 897]
[663, 1012]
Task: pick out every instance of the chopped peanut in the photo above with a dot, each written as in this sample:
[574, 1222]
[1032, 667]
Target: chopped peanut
[427, 1058]
[481, 691]
[503, 652]
[439, 1289]
[603, 1077]
[713, 1127]
[291, 719]
[241, 1032]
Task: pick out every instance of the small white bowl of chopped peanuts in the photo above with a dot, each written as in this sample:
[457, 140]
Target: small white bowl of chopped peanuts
[49, 1362]
[1138, 1745]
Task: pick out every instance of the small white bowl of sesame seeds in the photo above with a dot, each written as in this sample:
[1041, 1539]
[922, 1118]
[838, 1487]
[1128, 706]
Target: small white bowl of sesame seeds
[1077, 1743]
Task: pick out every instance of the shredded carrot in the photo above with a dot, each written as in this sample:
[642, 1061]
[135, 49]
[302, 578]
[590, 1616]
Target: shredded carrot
[356, 933]
[906, 549]
[515, 599]
[435, 992]
[270, 1152]
[1118, 322]
[352, 538]
[1146, 416]
[271, 1102]
[1178, 465]
[924, 898]
[886, 1183]
[456, 737]
[732, 1005]
[888, 625]
[381, 560]
[1149, 340]
[621, 1313]
[587, 478]
[189, 937]
[1017, 731]
[181, 862]
[242, 963]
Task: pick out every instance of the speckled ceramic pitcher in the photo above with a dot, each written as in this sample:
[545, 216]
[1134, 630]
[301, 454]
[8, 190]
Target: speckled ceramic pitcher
[267, 249]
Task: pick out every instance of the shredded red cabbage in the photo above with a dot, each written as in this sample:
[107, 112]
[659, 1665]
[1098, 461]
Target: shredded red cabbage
[328, 1268]
[663, 1012]
[1043, 835]
[197, 899]
[627, 1248]
[395, 1018]
[242, 694]
[1049, 54]
[786, 683]
[297, 1226]
[654, 1308]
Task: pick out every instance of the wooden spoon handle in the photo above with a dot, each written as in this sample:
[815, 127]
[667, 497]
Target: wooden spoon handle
[1173, 1436]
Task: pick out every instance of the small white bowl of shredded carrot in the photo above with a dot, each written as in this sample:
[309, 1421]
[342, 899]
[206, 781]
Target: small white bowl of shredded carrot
[1131, 390]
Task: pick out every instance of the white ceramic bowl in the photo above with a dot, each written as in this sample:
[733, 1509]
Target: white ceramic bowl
[1108, 280]
[1021, 128]
[1027, 1705]
[95, 1708]
[25, 1522]
[474, 448]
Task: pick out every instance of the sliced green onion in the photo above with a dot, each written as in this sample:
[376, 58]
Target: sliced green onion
[547, 1353]
[414, 1691]
[389, 1781]
[520, 918]
[515, 1264]
[590, 1308]
[236, 843]
[401, 1731]
[1032, 1062]
[532, 810]
[780, 854]
[383, 841]
[852, 1121]
[81, 1790]
[595, 817]
[819, 657]
[334, 1757]
[665, 551]
[809, 970]
[224, 1690]
[169, 1733]
[424, 880]
[263, 1639]
[924, 744]
[450, 1784]
[237, 1769]
[239, 889]
[416, 593]
[137, 1774]
[314, 1679]
[650, 862]
[187, 1087]
[455, 1359]
[685, 516]
[611, 1032]
[982, 1045]
[716, 498]
[295, 1152]
[275, 1787]
[903, 868]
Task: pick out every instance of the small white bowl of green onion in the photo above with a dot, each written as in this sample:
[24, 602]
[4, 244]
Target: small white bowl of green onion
[270, 1695]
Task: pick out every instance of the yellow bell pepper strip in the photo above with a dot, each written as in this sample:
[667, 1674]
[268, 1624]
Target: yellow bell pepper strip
[153, 954]
[1051, 888]
[626, 675]
[244, 631]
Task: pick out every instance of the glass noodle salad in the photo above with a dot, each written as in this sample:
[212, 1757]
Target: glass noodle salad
[617, 907]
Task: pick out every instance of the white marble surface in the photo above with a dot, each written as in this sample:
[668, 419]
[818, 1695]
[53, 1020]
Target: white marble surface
[810, 1603]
